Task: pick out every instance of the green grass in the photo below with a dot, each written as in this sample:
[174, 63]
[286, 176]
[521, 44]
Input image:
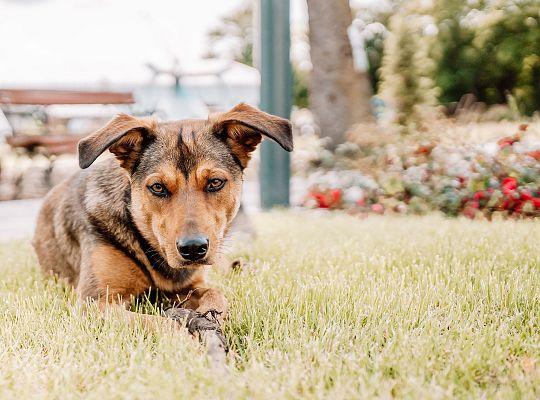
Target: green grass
[331, 307]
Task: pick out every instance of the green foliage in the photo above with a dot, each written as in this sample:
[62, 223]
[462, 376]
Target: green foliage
[457, 60]
[490, 49]
[300, 88]
[235, 36]
[375, 21]
[406, 71]
[511, 40]
[374, 51]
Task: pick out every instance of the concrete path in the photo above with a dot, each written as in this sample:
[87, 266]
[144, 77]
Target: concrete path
[18, 218]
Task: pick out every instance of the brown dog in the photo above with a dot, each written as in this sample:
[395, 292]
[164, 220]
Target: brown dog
[152, 218]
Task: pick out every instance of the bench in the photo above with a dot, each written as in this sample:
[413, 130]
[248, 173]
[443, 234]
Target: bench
[52, 144]
[34, 105]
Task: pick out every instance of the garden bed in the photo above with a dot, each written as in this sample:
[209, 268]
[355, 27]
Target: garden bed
[416, 175]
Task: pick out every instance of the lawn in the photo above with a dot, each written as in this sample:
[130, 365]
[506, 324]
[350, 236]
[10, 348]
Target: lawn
[329, 307]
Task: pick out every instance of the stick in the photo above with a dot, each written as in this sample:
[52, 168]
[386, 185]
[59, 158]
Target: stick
[206, 327]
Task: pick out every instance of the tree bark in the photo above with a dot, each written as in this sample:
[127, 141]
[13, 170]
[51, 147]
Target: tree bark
[339, 96]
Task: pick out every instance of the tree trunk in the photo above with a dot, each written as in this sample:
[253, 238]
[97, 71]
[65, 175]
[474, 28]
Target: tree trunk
[339, 96]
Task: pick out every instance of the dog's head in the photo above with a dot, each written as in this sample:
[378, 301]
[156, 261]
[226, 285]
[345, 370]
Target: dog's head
[186, 176]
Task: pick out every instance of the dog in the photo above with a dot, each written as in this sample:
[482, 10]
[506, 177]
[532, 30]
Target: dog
[155, 215]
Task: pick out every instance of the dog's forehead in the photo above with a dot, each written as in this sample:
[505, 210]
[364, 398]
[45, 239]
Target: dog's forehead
[191, 137]
[188, 144]
[196, 127]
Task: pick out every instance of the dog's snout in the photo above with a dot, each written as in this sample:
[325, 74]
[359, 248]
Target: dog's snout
[192, 248]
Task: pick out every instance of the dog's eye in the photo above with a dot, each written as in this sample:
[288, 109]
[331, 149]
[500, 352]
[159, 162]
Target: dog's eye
[157, 189]
[214, 185]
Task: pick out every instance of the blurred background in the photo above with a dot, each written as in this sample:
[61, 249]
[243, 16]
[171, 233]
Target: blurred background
[407, 107]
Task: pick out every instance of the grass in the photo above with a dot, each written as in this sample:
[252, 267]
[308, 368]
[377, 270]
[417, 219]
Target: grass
[331, 307]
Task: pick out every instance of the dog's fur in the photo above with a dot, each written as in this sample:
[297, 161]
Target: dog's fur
[112, 239]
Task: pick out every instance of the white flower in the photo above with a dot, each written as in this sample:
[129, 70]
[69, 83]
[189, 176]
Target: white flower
[353, 194]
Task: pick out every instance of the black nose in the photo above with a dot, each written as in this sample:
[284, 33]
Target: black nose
[192, 248]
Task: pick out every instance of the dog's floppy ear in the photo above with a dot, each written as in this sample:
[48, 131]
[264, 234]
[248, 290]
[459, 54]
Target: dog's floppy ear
[243, 127]
[124, 136]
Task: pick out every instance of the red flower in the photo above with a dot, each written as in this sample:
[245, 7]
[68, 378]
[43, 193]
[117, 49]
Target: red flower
[329, 199]
[504, 204]
[426, 149]
[479, 195]
[471, 209]
[508, 203]
[526, 195]
[377, 208]
[509, 183]
[335, 196]
[320, 198]
[535, 155]
[506, 141]
[510, 140]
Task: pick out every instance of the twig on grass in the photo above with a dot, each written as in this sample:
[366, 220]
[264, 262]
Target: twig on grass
[206, 327]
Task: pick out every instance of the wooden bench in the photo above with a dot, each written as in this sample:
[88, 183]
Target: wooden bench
[50, 97]
[27, 103]
[51, 144]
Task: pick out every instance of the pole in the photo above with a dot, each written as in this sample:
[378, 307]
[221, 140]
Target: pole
[276, 98]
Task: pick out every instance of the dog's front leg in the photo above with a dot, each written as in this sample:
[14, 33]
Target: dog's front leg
[113, 279]
[205, 300]
[204, 314]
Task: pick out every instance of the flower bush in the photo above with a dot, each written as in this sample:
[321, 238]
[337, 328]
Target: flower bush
[475, 180]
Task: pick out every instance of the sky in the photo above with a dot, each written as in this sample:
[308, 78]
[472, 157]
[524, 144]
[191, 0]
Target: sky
[60, 41]
[66, 40]
[175, 24]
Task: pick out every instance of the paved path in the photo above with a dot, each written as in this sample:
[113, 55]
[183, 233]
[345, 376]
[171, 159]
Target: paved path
[18, 218]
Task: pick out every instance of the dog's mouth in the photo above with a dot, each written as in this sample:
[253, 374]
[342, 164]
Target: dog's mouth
[193, 264]
[180, 263]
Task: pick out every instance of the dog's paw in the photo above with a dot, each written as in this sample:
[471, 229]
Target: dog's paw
[205, 325]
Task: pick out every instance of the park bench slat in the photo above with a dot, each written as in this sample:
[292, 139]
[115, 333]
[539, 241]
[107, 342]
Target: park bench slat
[41, 140]
[51, 97]
[50, 144]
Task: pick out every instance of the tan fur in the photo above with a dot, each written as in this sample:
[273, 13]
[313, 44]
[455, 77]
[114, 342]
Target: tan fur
[115, 273]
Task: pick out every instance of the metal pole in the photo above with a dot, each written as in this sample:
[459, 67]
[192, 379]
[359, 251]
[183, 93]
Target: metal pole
[276, 98]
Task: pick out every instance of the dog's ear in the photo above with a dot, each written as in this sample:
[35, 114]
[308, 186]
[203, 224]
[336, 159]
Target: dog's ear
[244, 126]
[125, 136]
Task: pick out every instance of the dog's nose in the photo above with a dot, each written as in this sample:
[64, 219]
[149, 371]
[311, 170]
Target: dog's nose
[192, 248]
